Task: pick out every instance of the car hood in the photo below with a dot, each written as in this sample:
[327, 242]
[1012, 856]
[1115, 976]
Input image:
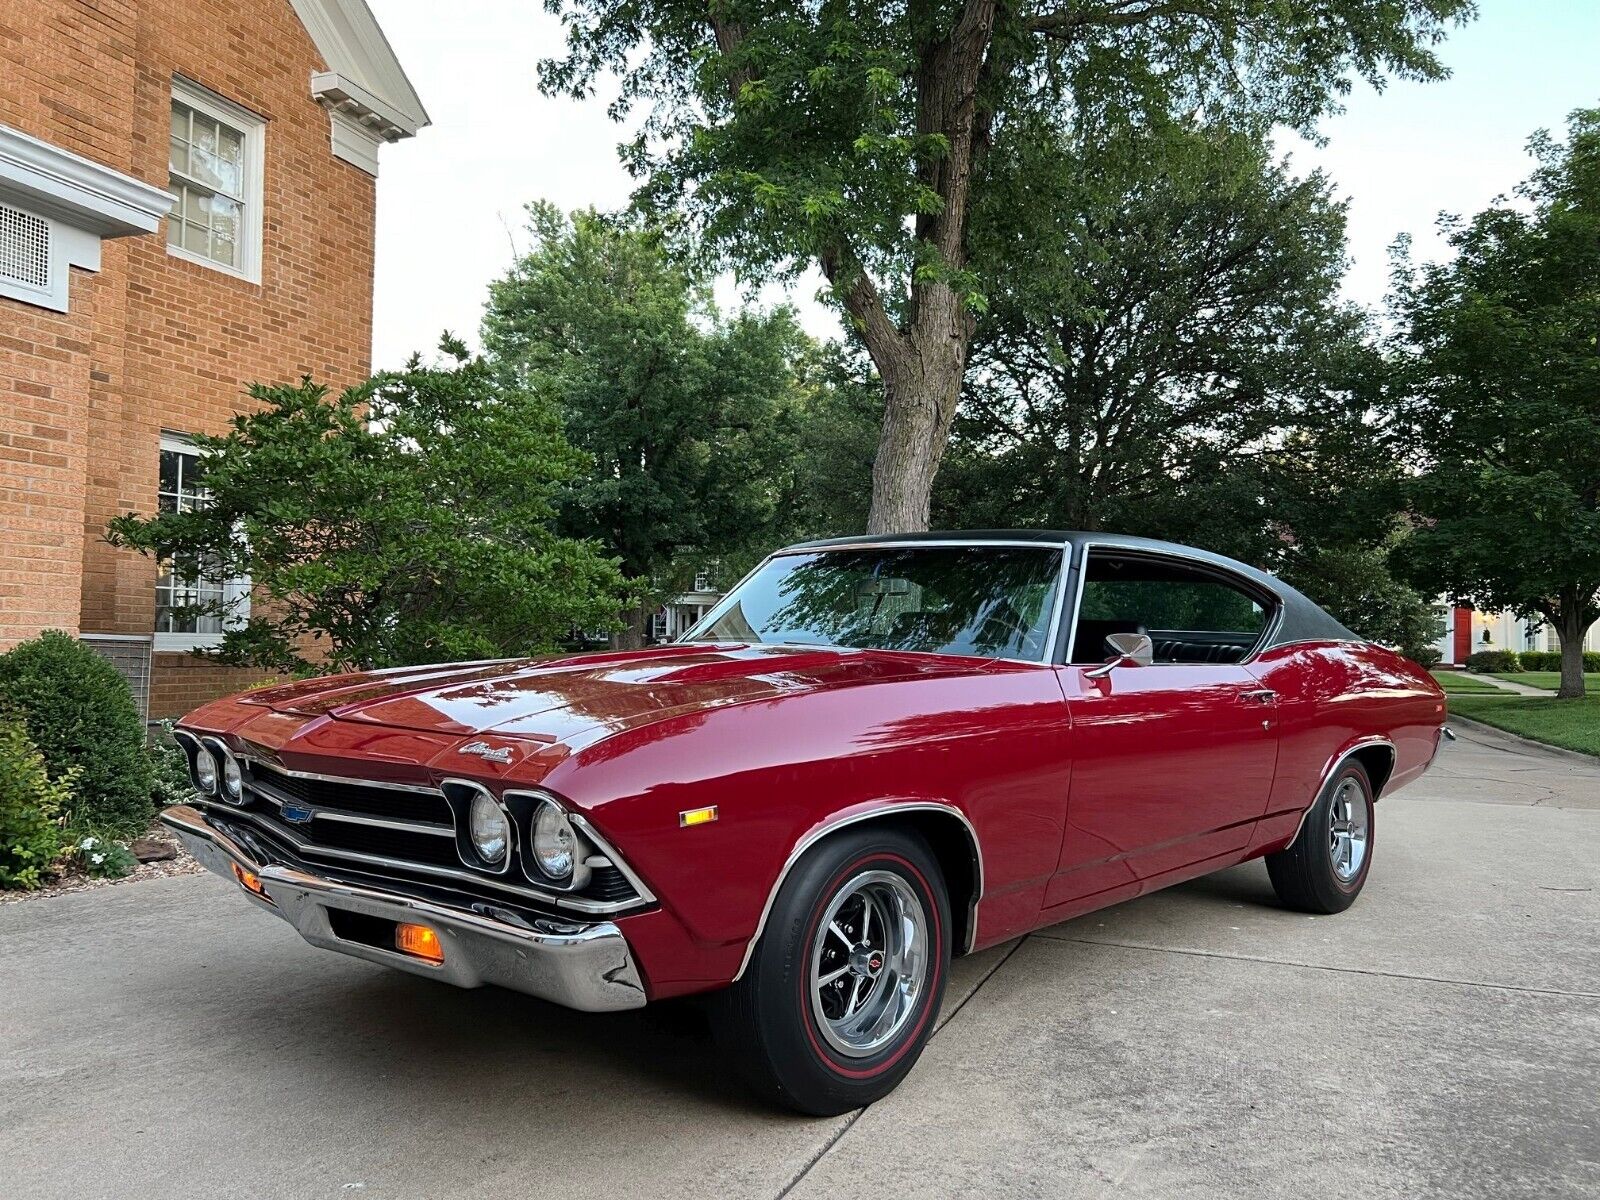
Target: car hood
[557, 698]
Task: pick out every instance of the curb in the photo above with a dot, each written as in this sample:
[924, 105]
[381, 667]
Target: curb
[1518, 742]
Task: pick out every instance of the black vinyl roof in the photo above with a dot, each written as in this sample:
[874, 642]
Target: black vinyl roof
[1300, 619]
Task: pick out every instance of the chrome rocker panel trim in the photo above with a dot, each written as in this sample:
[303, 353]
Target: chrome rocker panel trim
[587, 966]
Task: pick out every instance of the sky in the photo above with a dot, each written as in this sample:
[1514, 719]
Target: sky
[450, 201]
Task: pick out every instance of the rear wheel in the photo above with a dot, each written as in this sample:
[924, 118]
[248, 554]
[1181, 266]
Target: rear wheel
[840, 996]
[1325, 867]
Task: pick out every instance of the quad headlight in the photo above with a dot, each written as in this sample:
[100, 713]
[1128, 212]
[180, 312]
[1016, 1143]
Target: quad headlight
[232, 778]
[554, 844]
[489, 829]
[205, 770]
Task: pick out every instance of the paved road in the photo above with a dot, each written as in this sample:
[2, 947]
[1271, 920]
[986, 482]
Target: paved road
[1442, 1038]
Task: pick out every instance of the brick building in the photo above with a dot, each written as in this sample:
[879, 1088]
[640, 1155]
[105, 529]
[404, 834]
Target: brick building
[186, 206]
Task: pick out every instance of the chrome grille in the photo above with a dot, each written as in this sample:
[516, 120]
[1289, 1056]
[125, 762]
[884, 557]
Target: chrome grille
[392, 803]
[406, 832]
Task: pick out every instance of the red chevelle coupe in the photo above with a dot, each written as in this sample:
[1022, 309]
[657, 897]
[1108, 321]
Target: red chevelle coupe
[874, 754]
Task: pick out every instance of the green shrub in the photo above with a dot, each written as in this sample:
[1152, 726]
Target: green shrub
[169, 768]
[103, 858]
[1426, 657]
[31, 809]
[1489, 661]
[80, 714]
[1536, 660]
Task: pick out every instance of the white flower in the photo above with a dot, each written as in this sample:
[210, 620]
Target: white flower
[97, 859]
[88, 843]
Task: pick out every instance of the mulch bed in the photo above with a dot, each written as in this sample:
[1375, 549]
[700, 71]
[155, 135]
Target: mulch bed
[74, 880]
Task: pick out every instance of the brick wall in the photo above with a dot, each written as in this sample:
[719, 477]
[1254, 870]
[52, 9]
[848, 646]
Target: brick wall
[153, 341]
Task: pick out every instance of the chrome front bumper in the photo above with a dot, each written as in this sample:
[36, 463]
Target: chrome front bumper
[585, 966]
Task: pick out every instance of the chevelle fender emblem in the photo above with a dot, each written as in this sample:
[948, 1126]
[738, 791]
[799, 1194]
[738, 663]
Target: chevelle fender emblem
[297, 814]
[483, 750]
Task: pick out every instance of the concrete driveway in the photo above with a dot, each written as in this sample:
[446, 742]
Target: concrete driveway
[1441, 1038]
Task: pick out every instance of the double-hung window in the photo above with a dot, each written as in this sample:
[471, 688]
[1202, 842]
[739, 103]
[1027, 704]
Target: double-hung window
[214, 174]
[193, 604]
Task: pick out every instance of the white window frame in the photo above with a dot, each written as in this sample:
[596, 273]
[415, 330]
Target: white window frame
[235, 592]
[254, 130]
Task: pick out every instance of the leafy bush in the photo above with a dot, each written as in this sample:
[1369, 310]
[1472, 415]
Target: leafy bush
[169, 768]
[103, 858]
[80, 714]
[1423, 656]
[1531, 660]
[31, 807]
[1540, 660]
[1488, 661]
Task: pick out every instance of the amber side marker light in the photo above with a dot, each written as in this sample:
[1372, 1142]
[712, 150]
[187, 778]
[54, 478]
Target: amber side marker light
[697, 816]
[419, 942]
[250, 882]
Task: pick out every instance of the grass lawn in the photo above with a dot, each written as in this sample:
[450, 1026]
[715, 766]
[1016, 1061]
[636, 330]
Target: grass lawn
[1460, 681]
[1546, 679]
[1571, 724]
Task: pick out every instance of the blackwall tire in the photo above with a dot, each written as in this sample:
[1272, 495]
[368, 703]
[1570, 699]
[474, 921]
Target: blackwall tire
[1324, 869]
[842, 992]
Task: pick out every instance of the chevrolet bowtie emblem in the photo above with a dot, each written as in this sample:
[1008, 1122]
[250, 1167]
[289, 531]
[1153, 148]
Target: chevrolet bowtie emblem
[500, 754]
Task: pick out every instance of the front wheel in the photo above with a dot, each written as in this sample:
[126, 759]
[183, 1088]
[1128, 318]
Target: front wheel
[1325, 867]
[841, 994]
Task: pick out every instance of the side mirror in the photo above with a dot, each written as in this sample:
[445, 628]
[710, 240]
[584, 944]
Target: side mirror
[1125, 648]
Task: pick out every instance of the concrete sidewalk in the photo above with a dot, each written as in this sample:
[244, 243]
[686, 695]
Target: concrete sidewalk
[1442, 1038]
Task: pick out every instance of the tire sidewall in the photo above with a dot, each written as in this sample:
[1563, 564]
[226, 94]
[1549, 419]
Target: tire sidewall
[809, 1070]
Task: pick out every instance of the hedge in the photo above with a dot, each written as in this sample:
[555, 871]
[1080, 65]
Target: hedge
[80, 713]
[1527, 660]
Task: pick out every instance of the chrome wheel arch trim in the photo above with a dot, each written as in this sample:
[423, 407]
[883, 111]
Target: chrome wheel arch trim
[879, 812]
[1335, 765]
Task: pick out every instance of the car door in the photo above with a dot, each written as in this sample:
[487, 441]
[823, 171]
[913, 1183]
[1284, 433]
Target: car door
[1172, 761]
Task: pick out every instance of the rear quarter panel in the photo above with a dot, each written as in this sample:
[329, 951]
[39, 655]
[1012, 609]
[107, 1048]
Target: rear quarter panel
[991, 744]
[1333, 696]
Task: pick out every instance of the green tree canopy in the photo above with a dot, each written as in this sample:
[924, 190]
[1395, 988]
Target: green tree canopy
[686, 414]
[858, 136]
[405, 521]
[1175, 362]
[1503, 349]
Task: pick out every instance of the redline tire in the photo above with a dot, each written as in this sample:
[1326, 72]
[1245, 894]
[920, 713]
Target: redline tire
[842, 992]
[1324, 869]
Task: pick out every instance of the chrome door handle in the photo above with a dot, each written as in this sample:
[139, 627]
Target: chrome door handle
[1258, 696]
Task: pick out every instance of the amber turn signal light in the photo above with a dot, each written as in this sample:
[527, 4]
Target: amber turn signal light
[419, 942]
[250, 882]
[697, 816]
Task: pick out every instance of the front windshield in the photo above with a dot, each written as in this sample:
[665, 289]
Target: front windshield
[983, 601]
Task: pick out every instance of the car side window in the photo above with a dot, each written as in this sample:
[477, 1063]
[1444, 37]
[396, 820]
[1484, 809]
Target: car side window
[1190, 613]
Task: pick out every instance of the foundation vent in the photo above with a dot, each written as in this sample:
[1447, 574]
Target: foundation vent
[24, 249]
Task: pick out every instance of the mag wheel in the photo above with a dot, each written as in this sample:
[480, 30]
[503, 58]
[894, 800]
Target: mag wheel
[840, 996]
[1325, 867]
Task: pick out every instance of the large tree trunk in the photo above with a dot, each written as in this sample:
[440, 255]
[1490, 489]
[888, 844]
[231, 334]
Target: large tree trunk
[1570, 629]
[922, 379]
[632, 635]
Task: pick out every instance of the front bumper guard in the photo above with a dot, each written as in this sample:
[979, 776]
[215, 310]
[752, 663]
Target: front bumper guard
[583, 966]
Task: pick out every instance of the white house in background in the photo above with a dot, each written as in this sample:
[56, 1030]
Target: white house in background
[1468, 631]
[680, 613]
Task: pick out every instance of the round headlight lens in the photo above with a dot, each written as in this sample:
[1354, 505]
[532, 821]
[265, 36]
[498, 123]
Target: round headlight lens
[232, 780]
[490, 830]
[205, 771]
[554, 844]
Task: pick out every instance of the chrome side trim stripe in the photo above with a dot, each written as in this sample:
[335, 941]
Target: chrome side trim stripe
[886, 810]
